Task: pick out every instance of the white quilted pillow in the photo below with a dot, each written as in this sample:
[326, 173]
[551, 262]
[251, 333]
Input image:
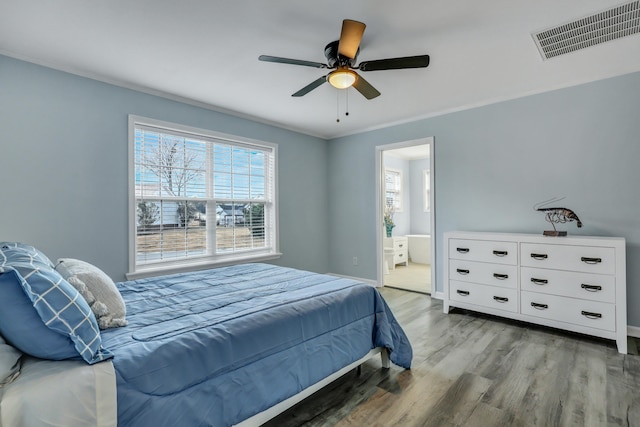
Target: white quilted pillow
[9, 362]
[98, 290]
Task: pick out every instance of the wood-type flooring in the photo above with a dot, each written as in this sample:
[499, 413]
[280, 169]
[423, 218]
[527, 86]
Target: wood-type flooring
[471, 369]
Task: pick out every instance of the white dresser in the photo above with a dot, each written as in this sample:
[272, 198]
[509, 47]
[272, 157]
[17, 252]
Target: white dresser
[574, 283]
[400, 249]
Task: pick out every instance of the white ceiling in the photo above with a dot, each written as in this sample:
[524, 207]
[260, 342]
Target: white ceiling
[206, 52]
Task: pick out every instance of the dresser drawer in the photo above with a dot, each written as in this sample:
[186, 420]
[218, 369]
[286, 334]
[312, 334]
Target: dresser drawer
[588, 259]
[484, 251]
[594, 287]
[501, 275]
[485, 296]
[591, 314]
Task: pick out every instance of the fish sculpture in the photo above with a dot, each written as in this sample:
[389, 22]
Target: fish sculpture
[556, 215]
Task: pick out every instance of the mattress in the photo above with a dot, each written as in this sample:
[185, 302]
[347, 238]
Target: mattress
[215, 347]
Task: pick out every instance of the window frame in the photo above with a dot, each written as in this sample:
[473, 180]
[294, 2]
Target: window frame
[210, 258]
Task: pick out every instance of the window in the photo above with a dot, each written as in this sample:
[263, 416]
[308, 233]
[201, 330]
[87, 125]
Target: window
[199, 197]
[393, 189]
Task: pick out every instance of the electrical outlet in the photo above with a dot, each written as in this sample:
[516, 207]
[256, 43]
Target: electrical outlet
[355, 260]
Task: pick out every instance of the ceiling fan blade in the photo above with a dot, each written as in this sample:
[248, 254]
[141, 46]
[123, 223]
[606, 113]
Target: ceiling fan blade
[311, 86]
[365, 88]
[350, 38]
[280, 60]
[419, 61]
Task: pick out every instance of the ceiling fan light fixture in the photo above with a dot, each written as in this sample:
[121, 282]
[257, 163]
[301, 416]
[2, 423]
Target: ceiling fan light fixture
[341, 58]
[342, 78]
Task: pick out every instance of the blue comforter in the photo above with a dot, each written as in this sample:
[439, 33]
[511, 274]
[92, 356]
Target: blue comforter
[215, 347]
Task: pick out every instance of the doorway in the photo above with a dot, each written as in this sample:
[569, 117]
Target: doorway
[406, 214]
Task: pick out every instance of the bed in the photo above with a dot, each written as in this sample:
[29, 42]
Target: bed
[237, 345]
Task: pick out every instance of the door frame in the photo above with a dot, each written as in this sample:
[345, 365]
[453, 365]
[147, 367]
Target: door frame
[380, 208]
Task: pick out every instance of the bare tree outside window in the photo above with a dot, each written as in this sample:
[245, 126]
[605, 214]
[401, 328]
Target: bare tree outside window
[175, 165]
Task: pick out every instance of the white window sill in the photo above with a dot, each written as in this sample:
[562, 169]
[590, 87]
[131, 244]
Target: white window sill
[159, 270]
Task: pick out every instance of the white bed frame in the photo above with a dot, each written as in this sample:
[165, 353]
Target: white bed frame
[38, 410]
[266, 415]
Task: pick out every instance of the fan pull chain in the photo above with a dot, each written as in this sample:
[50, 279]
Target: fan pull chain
[347, 103]
[338, 103]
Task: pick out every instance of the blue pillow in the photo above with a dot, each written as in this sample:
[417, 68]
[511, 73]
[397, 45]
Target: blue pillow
[41, 314]
[30, 250]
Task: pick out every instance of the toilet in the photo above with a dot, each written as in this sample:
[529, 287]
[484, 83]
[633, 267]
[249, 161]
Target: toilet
[388, 260]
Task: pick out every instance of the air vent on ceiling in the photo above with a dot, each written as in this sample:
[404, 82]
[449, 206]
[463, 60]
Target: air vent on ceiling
[611, 24]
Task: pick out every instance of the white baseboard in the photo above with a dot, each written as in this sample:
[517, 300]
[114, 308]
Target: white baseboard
[633, 331]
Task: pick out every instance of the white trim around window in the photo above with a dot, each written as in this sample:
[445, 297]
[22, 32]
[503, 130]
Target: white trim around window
[198, 198]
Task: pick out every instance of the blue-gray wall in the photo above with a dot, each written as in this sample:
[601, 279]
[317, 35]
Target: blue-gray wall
[63, 161]
[493, 163]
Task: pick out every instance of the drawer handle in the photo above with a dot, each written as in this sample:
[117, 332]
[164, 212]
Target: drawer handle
[539, 256]
[539, 281]
[463, 250]
[500, 276]
[461, 271]
[591, 288]
[400, 255]
[463, 293]
[400, 245]
[501, 299]
[500, 253]
[591, 315]
[591, 260]
[539, 306]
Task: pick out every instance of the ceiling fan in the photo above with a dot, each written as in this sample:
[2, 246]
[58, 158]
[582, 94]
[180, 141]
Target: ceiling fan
[341, 57]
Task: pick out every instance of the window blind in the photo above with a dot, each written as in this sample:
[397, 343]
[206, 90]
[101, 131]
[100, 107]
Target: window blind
[198, 195]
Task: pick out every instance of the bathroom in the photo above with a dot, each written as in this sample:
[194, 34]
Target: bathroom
[407, 198]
